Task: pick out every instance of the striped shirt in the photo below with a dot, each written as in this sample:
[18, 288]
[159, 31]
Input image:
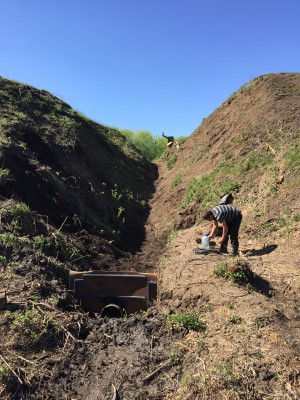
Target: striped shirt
[225, 212]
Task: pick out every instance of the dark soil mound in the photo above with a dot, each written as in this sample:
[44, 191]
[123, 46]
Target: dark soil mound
[71, 170]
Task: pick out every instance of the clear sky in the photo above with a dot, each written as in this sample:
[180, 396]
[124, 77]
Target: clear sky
[155, 65]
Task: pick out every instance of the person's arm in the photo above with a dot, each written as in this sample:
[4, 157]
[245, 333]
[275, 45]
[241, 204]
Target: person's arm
[225, 231]
[214, 228]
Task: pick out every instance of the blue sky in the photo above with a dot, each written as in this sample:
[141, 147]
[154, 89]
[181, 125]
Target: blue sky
[156, 65]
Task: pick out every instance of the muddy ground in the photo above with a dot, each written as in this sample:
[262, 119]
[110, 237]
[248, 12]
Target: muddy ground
[248, 347]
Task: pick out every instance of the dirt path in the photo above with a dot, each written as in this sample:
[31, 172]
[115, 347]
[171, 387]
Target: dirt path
[252, 336]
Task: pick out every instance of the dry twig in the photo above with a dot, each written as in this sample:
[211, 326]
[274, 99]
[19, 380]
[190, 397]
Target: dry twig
[11, 369]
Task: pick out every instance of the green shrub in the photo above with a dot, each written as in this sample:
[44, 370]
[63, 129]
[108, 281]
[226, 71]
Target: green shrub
[67, 251]
[41, 243]
[9, 240]
[238, 272]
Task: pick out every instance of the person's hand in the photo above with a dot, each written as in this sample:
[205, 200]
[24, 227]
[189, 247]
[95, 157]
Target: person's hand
[220, 241]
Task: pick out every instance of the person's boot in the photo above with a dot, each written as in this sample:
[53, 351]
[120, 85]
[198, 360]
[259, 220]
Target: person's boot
[223, 249]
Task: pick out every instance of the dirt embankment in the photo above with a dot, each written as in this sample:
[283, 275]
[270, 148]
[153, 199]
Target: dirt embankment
[211, 334]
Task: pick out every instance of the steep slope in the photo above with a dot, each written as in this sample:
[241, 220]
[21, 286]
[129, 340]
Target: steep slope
[249, 346]
[249, 145]
[71, 169]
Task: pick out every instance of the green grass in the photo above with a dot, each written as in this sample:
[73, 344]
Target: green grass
[292, 157]
[171, 161]
[176, 181]
[207, 190]
[172, 235]
[187, 322]
[273, 225]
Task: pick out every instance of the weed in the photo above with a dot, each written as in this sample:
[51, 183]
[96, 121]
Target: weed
[227, 155]
[41, 243]
[246, 133]
[9, 240]
[296, 217]
[162, 262]
[172, 235]
[177, 357]
[68, 130]
[201, 346]
[226, 374]
[4, 371]
[129, 194]
[205, 189]
[187, 322]
[205, 308]
[238, 272]
[66, 249]
[29, 321]
[120, 210]
[16, 209]
[143, 203]
[115, 193]
[4, 176]
[236, 320]
[171, 161]
[176, 181]
[253, 161]
[272, 225]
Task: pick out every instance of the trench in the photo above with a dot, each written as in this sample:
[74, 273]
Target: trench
[127, 344]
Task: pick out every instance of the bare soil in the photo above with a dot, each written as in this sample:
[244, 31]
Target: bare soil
[248, 344]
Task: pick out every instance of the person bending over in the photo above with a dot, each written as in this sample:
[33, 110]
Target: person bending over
[230, 219]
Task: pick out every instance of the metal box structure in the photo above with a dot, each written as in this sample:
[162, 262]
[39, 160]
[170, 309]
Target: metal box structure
[105, 290]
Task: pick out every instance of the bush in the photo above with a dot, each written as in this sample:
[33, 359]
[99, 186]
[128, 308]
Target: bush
[238, 272]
